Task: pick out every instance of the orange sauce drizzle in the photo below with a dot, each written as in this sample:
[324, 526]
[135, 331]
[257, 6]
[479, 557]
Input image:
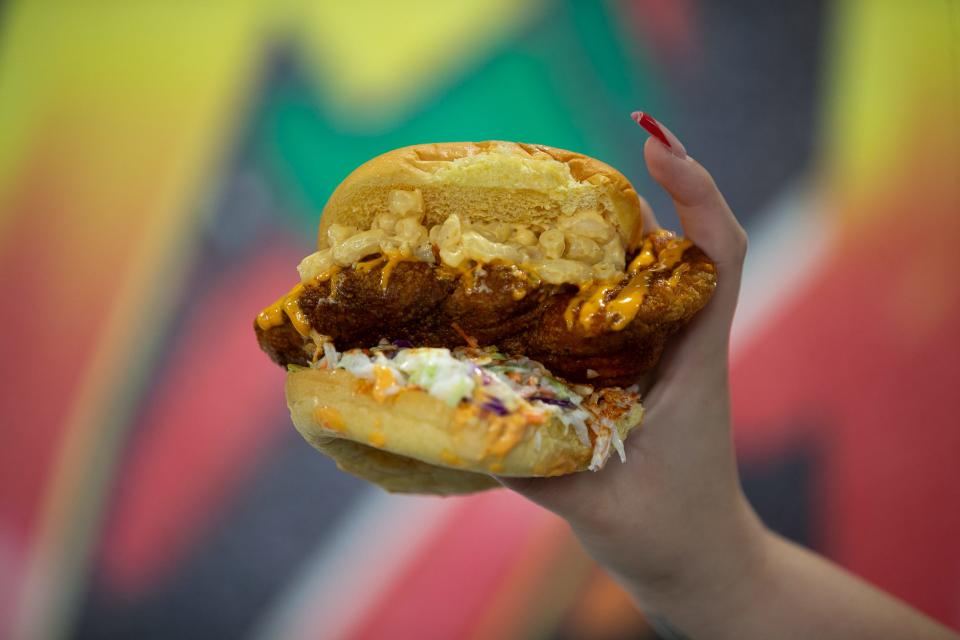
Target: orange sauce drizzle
[505, 433]
[582, 295]
[596, 303]
[645, 258]
[330, 418]
[589, 302]
[627, 303]
[382, 380]
[592, 298]
[289, 305]
[272, 316]
[468, 273]
[673, 253]
[370, 264]
[674, 280]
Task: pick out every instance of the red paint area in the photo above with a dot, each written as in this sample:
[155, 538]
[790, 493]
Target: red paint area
[209, 420]
[53, 317]
[55, 299]
[40, 371]
[452, 580]
[668, 27]
[864, 364]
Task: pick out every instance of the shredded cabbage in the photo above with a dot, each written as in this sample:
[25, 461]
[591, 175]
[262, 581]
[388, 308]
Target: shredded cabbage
[618, 443]
[485, 377]
[356, 362]
[330, 353]
[437, 371]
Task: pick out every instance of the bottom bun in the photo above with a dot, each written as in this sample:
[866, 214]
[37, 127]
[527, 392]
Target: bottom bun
[412, 442]
[397, 474]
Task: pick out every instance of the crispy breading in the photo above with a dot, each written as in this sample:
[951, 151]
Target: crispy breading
[497, 306]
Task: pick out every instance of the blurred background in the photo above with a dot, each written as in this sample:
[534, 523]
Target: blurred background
[162, 169]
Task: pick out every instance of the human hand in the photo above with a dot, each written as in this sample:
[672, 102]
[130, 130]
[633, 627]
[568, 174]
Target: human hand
[672, 523]
[673, 515]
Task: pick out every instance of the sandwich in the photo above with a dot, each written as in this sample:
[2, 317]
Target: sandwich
[479, 309]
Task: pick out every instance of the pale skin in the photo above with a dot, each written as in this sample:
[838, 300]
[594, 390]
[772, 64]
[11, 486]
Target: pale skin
[672, 523]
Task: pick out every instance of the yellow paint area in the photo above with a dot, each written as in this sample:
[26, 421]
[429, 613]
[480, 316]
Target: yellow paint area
[892, 92]
[377, 58]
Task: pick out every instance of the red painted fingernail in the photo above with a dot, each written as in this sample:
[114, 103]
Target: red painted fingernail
[659, 132]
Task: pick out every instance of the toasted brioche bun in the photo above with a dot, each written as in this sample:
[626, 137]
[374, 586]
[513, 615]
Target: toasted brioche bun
[414, 443]
[484, 182]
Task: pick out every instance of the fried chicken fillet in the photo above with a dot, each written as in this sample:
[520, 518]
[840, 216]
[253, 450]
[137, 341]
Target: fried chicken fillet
[435, 306]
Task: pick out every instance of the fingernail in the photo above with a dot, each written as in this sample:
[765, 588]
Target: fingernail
[659, 132]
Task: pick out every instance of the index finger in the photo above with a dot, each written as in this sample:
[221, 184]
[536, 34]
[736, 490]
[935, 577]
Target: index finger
[706, 218]
[707, 221]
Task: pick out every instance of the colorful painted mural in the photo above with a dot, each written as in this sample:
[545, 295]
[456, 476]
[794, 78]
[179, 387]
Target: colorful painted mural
[162, 169]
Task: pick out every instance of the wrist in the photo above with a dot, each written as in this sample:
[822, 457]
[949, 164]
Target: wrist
[714, 574]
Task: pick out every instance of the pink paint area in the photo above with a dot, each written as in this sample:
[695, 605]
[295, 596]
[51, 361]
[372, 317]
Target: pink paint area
[213, 416]
[669, 29]
[861, 366]
[60, 264]
[462, 567]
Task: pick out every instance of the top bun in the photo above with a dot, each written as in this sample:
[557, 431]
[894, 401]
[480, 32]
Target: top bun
[483, 182]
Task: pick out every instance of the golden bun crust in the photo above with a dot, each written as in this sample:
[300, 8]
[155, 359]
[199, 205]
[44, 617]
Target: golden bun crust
[396, 474]
[413, 442]
[491, 181]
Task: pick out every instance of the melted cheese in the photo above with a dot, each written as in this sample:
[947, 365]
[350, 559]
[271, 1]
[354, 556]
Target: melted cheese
[272, 316]
[289, 305]
[674, 280]
[596, 303]
[370, 264]
[582, 295]
[645, 258]
[673, 253]
[468, 275]
[393, 259]
[625, 306]
[593, 299]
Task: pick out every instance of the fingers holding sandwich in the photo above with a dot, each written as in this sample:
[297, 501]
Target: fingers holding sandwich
[650, 222]
[709, 222]
[706, 218]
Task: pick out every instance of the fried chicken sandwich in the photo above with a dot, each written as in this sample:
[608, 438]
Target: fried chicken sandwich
[475, 309]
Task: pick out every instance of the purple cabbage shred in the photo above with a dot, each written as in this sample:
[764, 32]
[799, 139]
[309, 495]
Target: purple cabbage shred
[557, 402]
[496, 406]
